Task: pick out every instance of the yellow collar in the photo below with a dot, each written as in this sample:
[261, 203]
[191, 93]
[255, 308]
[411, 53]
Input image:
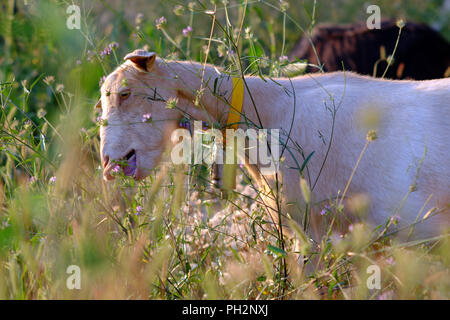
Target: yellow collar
[234, 117]
[237, 101]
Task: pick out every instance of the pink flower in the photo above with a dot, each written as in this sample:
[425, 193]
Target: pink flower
[325, 210]
[160, 22]
[283, 59]
[52, 179]
[187, 31]
[147, 117]
[113, 45]
[388, 295]
[107, 51]
[138, 210]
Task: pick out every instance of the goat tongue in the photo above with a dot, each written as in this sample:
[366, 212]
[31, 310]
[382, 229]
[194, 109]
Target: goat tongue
[131, 166]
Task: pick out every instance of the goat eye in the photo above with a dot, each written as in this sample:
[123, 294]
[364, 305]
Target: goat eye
[124, 94]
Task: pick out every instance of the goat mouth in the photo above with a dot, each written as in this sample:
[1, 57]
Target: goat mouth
[129, 164]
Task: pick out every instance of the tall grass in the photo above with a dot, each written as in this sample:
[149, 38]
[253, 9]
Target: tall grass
[173, 235]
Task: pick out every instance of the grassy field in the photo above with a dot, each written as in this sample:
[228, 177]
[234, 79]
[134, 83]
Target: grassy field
[170, 236]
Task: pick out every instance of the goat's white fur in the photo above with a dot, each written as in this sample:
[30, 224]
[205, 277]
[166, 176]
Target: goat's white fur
[413, 133]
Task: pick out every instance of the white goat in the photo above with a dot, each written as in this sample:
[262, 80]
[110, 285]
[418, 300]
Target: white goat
[405, 171]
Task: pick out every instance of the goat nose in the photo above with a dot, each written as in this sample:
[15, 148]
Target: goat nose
[105, 161]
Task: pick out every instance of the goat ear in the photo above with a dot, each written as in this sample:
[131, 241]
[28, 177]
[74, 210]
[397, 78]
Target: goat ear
[99, 104]
[142, 59]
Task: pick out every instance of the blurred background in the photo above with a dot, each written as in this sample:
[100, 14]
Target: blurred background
[35, 41]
